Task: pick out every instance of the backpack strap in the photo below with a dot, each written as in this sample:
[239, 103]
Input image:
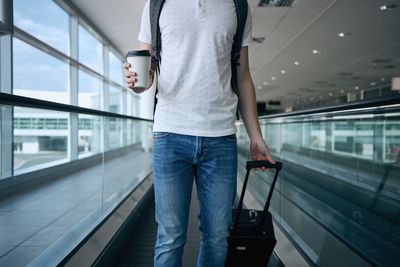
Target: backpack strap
[241, 13]
[155, 11]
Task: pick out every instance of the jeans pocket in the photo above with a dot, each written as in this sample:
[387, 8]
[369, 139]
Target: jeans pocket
[160, 135]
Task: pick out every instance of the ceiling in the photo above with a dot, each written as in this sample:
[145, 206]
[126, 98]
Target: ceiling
[368, 57]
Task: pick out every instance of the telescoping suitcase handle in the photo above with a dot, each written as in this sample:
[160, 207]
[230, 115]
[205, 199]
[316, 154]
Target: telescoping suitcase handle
[252, 165]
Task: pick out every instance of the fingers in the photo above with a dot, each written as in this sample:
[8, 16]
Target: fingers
[266, 157]
[131, 80]
[127, 65]
[269, 158]
[130, 77]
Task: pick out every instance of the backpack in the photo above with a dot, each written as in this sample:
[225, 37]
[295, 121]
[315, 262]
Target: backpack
[155, 11]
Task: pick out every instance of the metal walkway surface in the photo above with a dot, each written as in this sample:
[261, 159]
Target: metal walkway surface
[137, 248]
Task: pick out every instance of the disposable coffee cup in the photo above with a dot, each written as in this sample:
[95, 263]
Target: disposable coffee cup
[140, 63]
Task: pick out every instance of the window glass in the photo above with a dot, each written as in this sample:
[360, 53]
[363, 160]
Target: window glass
[36, 74]
[89, 135]
[45, 20]
[89, 93]
[114, 133]
[115, 68]
[90, 50]
[40, 138]
[115, 99]
[132, 104]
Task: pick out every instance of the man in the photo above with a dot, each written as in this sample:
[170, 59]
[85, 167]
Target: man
[194, 123]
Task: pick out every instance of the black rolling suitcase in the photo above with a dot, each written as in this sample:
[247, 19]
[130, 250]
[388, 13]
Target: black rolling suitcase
[251, 238]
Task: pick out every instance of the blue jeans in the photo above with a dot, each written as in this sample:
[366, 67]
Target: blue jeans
[215, 172]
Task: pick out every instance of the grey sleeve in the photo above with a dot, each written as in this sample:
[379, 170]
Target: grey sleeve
[145, 32]
[247, 35]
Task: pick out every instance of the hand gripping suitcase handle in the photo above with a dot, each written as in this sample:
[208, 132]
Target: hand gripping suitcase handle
[262, 163]
[251, 165]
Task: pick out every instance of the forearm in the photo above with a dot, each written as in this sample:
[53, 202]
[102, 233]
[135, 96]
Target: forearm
[248, 106]
[143, 46]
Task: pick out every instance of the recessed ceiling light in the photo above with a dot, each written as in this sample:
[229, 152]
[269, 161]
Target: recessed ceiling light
[344, 34]
[283, 71]
[259, 87]
[311, 98]
[383, 79]
[316, 52]
[265, 83]
[342, 91]
[356, 87]
[273, 78]
[373, 83]
[387, 7]
[320, 96]
[297, 63]
[330, 94]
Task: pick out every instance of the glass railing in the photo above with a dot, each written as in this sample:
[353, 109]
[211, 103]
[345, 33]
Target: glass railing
[64, 170]
[338, 195]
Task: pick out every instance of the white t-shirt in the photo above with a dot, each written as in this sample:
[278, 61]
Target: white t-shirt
[194, 86]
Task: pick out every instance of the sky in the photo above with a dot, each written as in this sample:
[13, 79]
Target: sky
[36, 70]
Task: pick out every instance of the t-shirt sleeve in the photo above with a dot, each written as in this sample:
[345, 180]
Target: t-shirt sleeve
[145, 32]
[247, 35]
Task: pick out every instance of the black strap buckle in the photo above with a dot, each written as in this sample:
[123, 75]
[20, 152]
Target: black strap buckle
[155, 56]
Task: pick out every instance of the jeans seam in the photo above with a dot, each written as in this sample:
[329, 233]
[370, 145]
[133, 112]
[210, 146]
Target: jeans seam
[201, 223]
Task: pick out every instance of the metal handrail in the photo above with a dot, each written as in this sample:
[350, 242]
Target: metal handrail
[22, 101]
[343, 108]
[16, 100]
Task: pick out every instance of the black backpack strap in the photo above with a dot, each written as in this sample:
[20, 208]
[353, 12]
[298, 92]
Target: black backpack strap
[155, 11]
[241, 13]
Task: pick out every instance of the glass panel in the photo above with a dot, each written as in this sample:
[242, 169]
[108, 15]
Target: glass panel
[130, 104]
[90, 50]
[337, 193]
[51, 28]
[115, 99]
[136, 132]
[6, 141]
[291, 138]
[113, 133]
[129, 133]
[119, 177]
[40, 138]
[391, 149]
[133, 132]
[134, 104]
[56, 216]
[89, 135]
[115, 68]
[271, 133]
[89, 93]
[39, 75]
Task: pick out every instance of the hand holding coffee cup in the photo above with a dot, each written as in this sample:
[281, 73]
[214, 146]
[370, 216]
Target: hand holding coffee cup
[137, 70]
